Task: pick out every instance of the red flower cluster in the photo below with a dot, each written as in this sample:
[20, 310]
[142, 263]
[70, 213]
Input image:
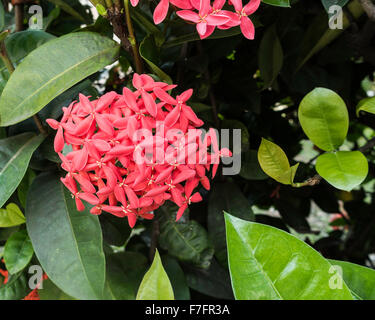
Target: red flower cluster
[132, 152]
[208, 16]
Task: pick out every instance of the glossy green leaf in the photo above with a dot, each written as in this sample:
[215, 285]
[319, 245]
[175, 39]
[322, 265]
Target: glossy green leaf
[18, 251]
[266, 263]
[50, 70]
[274, 162]
[270, 56]
[343, 169]
[115, 230]
[359, 279]
[68, 243]
[11, 216]
[324, 118]
[155, 284]
[186, 241]
[125, 271]
[225, 197]
[278, 3]
[367, 105]
[15, 155]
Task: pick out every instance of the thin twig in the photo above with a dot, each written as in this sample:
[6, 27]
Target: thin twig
[132, 39]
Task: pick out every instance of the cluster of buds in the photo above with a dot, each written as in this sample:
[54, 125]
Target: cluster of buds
[132, 152]
[207, 15]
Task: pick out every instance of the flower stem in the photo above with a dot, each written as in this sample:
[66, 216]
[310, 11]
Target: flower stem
[133, 41]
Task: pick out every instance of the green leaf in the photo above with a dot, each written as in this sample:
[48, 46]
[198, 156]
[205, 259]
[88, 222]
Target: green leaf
[266, 263]
[16, 288]
[15, 155]
[324, 118]
[278, 3]
[186, 241]
[155, 284]
[68, 243]
[359, 279]
[270, 56]
[177, 277]
[147, 50]
[50, 70]
[367, 104]
[125, 271]
[18, 251]
[274, 162]
[51, 292]
[343, 169]
[225, 197]
[11, 216]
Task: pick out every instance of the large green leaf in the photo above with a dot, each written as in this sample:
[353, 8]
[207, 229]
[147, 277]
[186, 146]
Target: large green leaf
[18, 251]
[125, 271]
[186, 241]
[343, 169]
[51, 292]
[359, 279]
[15, 155]
[269, 264]
[18, 46]
[324, 118]
[68, 243]
[155, 284]
[274, 162]
[50, 70]
[225, 197]
[11, 216]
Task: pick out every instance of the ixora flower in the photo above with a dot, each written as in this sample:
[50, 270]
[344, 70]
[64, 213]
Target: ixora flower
[133, 151]
[207, 15]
